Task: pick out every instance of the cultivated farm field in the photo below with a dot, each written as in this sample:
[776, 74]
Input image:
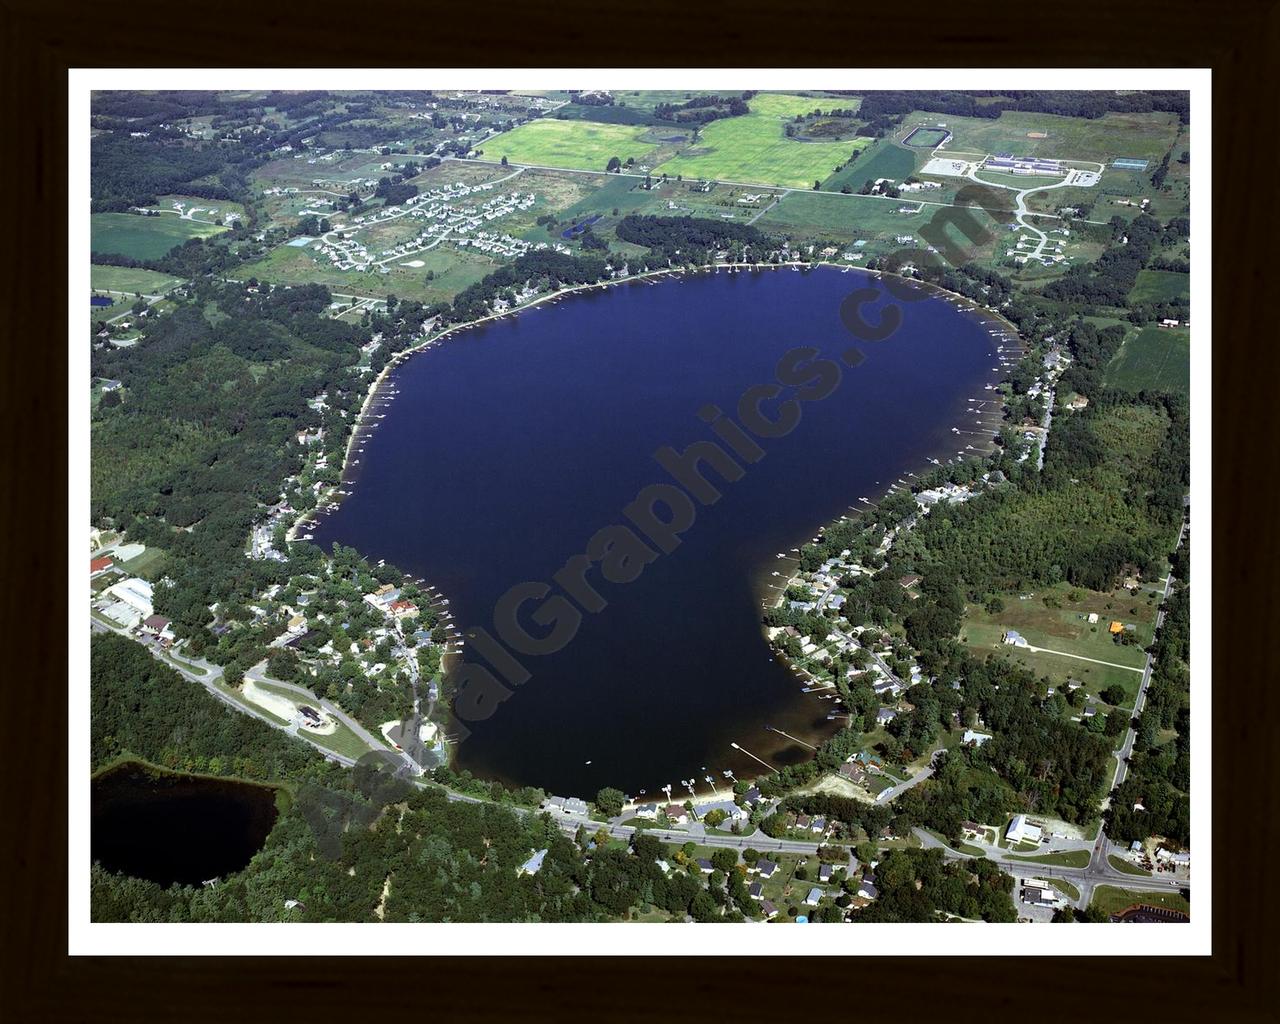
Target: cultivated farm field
[143, 238]
[754, 148]
[1157, 358]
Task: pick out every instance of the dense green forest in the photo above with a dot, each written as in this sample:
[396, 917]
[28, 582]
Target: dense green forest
[142, 707]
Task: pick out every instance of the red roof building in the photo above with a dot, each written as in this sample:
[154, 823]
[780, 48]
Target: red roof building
[97, 565]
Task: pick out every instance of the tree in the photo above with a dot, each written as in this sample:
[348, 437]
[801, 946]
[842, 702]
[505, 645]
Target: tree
[504, 159]
[613, 165]
[610, 801]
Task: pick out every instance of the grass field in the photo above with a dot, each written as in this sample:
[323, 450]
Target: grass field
[1067, 629]
[341, 741]
[130, 280]
[1066, 888]
[882, 159]
[579, 144]
[1160, 286]
[846, 218]
[1128, 867]
[754, 147]
[1100, 139]
[143, 238]
[1070, 859]
[1111, 899]
[147, 565]
[1156, 358]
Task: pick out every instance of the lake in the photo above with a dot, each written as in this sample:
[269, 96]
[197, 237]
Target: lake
[171, 827]
[506, 448]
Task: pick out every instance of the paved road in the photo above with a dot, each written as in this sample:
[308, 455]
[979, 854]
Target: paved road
[1122, 756]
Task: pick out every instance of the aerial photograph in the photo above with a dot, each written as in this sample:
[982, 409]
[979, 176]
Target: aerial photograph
[624, 505]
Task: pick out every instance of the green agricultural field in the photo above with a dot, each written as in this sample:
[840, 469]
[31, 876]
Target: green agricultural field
[1160, 286]
[143, 238]
[588, 145]
[1111, 899]
[882, 159]
[1155, 358]
[754, 147]
[1101, 139]
[129, 281]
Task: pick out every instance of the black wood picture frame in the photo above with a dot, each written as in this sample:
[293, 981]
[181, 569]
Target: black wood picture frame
[42, 40]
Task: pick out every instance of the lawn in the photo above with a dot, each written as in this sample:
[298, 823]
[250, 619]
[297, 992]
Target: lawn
[754, 148]
[1156, 358]
[577, 144]
[1062, 625]
[1070, 859]
[147, 565]
[130, 281]
[143, 238]
[1128, 867]
[1160, 286]
[341, 741]
[1111, 900]
[1066, 888]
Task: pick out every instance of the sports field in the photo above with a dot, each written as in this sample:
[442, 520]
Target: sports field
[130, 280]
[755, 148]
[143, 238]
[587, 145]
[925, 138]
[1156, 358]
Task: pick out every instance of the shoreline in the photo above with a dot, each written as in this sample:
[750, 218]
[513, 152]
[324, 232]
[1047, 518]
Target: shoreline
[759, 584]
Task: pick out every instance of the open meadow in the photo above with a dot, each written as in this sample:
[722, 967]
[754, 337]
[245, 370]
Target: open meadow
[586, 145]
[143, 238]
[1056, 621]
[1143, 136]
[129, 281]
[754, 147]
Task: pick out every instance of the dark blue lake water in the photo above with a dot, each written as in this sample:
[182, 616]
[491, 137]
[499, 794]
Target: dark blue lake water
[512, 443]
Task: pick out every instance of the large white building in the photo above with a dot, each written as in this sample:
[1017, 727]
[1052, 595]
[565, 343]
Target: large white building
[134, 592]
[1022, 831]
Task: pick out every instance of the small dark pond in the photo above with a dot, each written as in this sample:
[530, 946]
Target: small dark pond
[170, 827]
